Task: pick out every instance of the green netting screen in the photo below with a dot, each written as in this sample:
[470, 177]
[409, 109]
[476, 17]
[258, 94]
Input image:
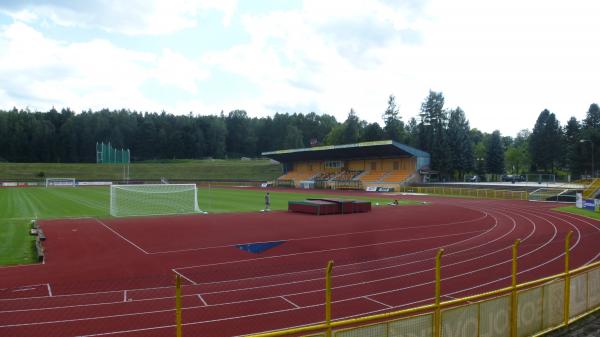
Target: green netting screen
[106, 154]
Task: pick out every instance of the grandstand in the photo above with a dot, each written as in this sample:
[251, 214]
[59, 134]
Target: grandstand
[351, 166]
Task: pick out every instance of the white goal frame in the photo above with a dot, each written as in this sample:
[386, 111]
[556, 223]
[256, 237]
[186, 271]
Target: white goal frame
[62, 182]
[165, 203]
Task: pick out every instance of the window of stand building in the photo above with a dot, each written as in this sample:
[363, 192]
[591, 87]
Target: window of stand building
[334, 164]
[373, 166]
[396, 165]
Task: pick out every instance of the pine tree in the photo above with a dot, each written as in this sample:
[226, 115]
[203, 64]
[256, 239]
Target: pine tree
[574, 153]
[545, 143]
[494, 158]
[394, 127]
[459, 143]
[431, 131]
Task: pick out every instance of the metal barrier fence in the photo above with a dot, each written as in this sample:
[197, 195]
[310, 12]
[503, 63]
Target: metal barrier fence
[466, 192]
[524, 309]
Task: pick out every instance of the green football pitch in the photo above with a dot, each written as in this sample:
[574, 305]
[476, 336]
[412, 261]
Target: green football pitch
[18, 206]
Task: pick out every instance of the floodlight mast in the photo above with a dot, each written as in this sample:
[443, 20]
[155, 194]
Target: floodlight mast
[589, 140]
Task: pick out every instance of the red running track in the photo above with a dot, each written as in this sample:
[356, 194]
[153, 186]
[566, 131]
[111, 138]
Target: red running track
[114, 277]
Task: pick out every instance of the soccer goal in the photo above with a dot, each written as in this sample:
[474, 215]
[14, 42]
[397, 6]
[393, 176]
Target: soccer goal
[153, 199]
[60, 182]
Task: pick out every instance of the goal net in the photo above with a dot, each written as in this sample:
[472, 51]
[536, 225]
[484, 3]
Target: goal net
[153, 199]
[60, 182]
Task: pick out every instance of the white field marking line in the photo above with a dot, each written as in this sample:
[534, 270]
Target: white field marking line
[343, 266]
[184, 277]
[248, 288]
[378, 302]
[329, 235]
[526, 270]
[310, 270]
[49, 289]
[253, 315]
[410, 303]
[586, 221]
[417, 272]
[496, 281]
[331, 250]
[297, 282]
[290, 302]
[202, 299]
[351, 264]
[274, 297]
[340, 318]
[455, 298]
[121, 236]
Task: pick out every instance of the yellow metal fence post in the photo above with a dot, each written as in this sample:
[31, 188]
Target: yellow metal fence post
[567, 296]
[328, 297]
[513, 294]
[178, 304]
[437, 319]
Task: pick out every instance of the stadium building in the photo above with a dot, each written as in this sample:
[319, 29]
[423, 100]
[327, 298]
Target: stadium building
[370, 165]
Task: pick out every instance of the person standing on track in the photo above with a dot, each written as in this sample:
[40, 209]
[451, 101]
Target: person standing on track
[267, 202]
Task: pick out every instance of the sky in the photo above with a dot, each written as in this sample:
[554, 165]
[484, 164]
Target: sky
[502, 62]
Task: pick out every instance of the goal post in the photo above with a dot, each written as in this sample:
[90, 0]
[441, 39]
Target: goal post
[60, 182]
[153, 199]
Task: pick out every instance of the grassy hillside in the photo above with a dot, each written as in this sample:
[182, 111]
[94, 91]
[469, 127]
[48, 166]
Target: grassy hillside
[176, 169]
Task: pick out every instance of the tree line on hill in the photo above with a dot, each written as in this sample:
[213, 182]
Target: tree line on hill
[456, 149]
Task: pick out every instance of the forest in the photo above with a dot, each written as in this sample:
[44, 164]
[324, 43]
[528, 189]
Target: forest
[456, 149]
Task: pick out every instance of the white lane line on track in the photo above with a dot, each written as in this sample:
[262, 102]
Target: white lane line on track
[23, 289]
[290, 302]
[124, 295]
[49, 289]
[419, 301]
[121, 236]
[202, 299]
[272, 297]
[330, 250]
[378, 302]
[302, 281]
[586, 221]
[455, 298]
[495, 281]
[184, 277]
[486, 215]
[329, 235]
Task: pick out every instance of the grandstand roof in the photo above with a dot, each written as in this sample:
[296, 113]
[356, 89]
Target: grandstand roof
[384, 148]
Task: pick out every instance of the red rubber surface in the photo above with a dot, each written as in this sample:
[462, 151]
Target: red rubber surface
[114, 277]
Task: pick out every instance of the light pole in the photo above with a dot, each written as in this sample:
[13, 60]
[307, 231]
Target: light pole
[589, 140]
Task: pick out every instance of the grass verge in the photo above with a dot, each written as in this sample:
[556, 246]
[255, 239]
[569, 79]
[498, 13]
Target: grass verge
[16, 245]
[578, 211]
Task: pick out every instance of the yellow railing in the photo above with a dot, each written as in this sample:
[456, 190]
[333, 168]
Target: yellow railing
[591, 188]
[525, 309]
[466, 192]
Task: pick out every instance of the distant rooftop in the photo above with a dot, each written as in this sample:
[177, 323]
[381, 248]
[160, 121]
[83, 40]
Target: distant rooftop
[378, 149]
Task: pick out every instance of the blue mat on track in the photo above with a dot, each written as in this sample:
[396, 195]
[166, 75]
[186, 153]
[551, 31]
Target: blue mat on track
[258, 247]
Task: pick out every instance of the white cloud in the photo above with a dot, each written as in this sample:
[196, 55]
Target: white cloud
[132, 17]
[502, 62]
[39, 72]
